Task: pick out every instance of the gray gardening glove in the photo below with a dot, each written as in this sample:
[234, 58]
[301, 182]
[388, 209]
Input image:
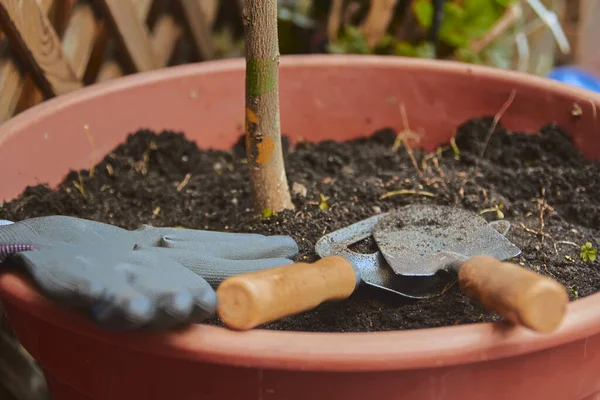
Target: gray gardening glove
[146, 278]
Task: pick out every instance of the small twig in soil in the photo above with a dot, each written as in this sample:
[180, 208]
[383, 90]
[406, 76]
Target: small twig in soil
[406, 192]
[497, 118]
[431, 181]
[564, 242]
[86, 129]
[406, 133]
[142, 165]
[184, 182]
[426, 159]
[534, 232]
[548, 272]
[454, 147]
[485, 196]
[436, 164]
[542, 207]
[79, 185]
[448, 286]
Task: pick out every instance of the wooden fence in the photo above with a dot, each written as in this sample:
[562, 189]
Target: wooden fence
[52, 47]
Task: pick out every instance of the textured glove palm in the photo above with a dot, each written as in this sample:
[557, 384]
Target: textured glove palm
[146, 278]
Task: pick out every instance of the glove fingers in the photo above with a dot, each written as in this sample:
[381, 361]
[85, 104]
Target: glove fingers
[148, 233]
[213, 269]
[256, 249]
[184, 306]
[89, 281]
[196, 235]
[64, 277]
[216, 270]
[177, 292]
[127, 310]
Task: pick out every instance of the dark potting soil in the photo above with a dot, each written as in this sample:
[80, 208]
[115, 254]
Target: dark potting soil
[540, 183]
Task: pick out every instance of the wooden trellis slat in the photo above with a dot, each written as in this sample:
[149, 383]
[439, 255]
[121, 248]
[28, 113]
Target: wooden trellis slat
[109, 70]
[142, 8]
[59, 13]
[199, 27]
[22, 93]
[25, 24]
[132, 33]
[165, 36]
[78, 40]
[52, 47]
[45, 5]
[11, 82]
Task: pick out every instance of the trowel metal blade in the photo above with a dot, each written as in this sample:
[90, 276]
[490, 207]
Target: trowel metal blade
[420, 240]
[374, 270]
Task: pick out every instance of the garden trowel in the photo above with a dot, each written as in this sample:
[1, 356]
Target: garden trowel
[254, 298]
[424, 243]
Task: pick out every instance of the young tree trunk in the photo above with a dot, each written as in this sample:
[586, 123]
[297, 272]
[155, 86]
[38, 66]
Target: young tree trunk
[263, 137]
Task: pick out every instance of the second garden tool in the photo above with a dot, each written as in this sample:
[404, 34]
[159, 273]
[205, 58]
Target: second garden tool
[251, 299]
[418, 241]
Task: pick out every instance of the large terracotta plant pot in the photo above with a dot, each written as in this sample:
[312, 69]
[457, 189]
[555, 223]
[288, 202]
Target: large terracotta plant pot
[322, 97]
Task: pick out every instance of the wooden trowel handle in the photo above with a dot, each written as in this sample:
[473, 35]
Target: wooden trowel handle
[519, 295]
[254, 298]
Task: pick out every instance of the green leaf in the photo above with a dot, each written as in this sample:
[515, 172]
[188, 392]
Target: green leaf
[426, 50]
[323, 205]
[588, 253]
[505, 3]
[405, 49]
[574, 292]
[350, 41]
[423, 10]
[466, 55]
[267, 213]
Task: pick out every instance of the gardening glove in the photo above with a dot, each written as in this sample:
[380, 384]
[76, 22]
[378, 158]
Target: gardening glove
[132, 279]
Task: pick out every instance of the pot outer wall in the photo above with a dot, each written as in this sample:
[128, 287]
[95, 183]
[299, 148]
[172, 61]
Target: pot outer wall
[322, 97]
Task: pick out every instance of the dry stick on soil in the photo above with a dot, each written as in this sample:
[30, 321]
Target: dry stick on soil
[534, 232]
[90, 138]
[401, 137]
[270, 188]
[497, 118]
[436, 164]
[564, 242]
[184, 182]
[406, 192]
[542, 207]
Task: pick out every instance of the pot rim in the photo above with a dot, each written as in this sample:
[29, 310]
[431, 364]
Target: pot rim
[365, 351]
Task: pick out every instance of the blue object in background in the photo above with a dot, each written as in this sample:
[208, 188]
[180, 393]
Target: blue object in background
[577, 77]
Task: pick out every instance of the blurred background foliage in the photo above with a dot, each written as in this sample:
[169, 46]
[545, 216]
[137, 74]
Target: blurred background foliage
[524, 35]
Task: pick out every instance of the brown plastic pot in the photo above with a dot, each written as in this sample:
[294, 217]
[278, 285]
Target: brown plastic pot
[322, 97]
